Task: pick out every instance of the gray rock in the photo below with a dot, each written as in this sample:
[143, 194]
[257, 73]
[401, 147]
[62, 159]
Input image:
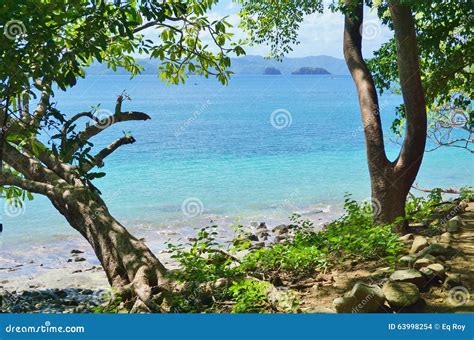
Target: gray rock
[423, 262]
[77, 251]
[406, 238]
[428, 273]
[437, 268]
[79, 259]
[262, 233]
[252, 237]
[363, 298]
[453, 280]
[408, 275]
[407, 261]
[280, 239]
[430, 257]
[257, 245]
[436, 249]
[454, 224]
[401, 294]
[262, 225]
[446, 237]
[344, 304]
[281, 229]
[419, 243]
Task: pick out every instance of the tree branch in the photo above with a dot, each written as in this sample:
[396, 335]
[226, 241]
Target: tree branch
[412, 90]
[98, 159]
[365, 86]
[8, 178]
[104, 123]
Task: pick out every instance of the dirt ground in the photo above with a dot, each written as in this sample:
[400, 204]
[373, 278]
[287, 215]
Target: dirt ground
[317, 294]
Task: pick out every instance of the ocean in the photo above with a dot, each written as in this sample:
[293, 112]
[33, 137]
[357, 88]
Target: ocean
[259, 149]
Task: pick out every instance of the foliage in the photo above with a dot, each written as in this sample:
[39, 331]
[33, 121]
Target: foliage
[352, 236]
[201, 261]
[250, 296]
[46, 45]
[276, 22]
[446, 49]
[421, 208]
[466, 193]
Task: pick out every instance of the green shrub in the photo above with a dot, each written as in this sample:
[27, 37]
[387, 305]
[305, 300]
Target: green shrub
[352, 236]
[250, 296]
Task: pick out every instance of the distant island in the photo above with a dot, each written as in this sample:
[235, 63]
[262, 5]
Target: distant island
[249, 64]
[311, 70]
[272, 71]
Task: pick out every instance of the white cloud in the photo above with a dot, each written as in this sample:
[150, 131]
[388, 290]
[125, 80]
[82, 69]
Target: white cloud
[318, 34]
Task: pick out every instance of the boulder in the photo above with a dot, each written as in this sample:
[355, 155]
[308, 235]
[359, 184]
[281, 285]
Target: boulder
[453, 280]
[437, 268]
[363, 298]
[344, 304]
[454, 224]
[262, 233]
[281, 229]
[401, 294]
[430, 257]
[408, 275]
[419, 243]
[428, 273]
[407, 261]
[262, 225]
[79, 259]
[423, 262]
[436, 249]
[406, 238]
[76, 251]
[252, 237]
[257, 245]
[280, 239]
[446, 237]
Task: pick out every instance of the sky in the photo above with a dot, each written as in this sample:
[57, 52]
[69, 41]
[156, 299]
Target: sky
[320, 34]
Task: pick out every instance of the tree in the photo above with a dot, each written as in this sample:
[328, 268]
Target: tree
[446, 49]
[47, 45]
[390, 180]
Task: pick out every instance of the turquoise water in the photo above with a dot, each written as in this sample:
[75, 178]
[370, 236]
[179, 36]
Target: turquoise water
[216, 146]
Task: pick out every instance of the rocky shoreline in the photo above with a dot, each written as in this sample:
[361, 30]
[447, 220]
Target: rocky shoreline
[79, 285]
[430, 277]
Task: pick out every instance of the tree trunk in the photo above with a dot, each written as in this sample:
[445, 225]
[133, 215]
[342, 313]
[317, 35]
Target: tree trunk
[390, 181]
[129, 264]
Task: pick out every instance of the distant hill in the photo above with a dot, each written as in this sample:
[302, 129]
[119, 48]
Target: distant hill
[256, 64]
[311, 70]
[272, 71]
[250, 64]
